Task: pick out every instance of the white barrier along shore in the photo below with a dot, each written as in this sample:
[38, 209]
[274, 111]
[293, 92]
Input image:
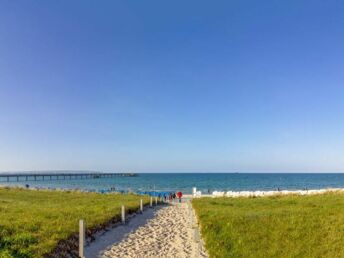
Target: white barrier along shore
[234, 194]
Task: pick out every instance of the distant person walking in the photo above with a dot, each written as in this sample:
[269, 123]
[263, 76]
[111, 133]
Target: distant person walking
[179, 196]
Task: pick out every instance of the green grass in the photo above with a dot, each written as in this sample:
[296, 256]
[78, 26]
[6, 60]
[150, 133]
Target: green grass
[33, 222]
[284, 226]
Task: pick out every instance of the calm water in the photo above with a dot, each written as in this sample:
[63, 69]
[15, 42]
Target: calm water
[203, 181]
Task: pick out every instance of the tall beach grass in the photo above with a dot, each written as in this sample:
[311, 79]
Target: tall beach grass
[33, 222]
[280, 226]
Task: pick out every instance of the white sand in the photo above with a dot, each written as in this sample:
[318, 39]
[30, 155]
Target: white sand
[164, 232]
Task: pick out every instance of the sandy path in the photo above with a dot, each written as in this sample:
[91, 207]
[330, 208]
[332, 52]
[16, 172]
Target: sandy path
[164, 232]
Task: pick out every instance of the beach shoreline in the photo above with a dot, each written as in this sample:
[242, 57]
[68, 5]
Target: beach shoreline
[248, 194]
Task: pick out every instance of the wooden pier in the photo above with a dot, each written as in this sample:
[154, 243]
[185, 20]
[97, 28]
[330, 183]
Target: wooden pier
[22, 177]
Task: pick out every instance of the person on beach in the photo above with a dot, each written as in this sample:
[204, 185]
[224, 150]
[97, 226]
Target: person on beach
[180, 195]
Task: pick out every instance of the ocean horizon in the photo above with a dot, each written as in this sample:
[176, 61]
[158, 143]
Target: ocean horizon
[205, 182]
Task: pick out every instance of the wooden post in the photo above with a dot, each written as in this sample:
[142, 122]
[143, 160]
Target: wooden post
[81, 238]
[141, 206]
[192, 220]
[151, 202]
[123, 214]
[156, 201]
[196, 235]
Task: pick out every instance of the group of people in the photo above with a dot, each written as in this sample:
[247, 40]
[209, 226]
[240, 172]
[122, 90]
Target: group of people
[173, 196]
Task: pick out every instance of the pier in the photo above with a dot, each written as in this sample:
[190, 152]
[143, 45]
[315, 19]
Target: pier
[22, 177]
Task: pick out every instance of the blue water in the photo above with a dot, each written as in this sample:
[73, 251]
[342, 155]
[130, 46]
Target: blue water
[203, 181]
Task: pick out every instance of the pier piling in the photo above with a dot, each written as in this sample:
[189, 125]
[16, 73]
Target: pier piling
[37, 176]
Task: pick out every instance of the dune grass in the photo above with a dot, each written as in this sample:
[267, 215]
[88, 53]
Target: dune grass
[32, 222]
[284, 226]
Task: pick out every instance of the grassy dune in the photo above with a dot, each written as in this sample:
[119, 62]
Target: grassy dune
[32, 222]
[285, 226]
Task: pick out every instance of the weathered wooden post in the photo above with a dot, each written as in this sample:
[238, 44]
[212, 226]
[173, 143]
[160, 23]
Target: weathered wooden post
[191, 216]
[123, 214]
[196, 235]
[141, 206]
[81, 238]
[151, 202]
[156, 201]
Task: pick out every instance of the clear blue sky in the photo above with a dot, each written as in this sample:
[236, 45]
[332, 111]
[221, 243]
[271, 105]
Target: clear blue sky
[172, 85]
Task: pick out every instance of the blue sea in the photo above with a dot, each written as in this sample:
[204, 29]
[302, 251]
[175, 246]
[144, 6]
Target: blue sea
[206, 182]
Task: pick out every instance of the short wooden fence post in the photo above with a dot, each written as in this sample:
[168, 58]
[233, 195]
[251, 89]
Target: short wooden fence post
[151, 202]
[123, 214]
[81, 238]
[196, 235]
[141, 206]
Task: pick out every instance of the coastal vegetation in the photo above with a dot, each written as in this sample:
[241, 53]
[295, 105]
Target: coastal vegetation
[278, 226]
[32, 223]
